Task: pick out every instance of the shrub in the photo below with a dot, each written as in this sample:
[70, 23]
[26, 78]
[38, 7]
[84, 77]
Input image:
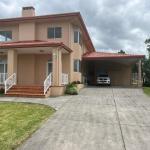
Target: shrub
[71, 89]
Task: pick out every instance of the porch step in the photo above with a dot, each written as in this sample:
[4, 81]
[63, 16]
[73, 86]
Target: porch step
[26, 91]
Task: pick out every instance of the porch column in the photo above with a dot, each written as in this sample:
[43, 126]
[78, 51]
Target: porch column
[57, 67]
[140, 73]
[11, 62]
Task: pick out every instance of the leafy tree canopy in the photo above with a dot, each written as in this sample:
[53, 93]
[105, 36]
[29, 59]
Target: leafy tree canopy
[147, 42]
[121, 52]
[146, 65]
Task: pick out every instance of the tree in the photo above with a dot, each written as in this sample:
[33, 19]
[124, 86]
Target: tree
[121, 52]
[146, 65]
[147, 42]
[146, 71]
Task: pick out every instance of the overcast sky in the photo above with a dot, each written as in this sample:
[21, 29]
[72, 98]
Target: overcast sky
[112, 24]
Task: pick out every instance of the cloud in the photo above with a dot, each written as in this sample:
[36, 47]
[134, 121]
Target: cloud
[112, 24]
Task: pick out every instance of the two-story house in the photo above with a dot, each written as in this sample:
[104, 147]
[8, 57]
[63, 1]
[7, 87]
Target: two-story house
[39, 55]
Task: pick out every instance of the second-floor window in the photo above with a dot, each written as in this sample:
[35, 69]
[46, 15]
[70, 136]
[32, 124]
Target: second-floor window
[77, 37]
[5, 36]
[54, 32]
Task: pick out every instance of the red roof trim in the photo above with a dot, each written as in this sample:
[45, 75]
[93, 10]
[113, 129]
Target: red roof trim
[33, 18]
[29, 44]
[54, 16]
[103, 55]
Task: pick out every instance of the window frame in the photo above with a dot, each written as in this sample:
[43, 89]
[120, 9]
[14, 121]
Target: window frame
[54, 32]
[7, 39]
[79, 37]
[77, 65]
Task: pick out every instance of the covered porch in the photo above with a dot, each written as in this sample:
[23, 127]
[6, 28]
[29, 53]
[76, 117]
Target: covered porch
[36, 64]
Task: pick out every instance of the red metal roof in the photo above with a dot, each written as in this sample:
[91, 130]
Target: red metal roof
[51, 18]
[104, 55]
[29, 44]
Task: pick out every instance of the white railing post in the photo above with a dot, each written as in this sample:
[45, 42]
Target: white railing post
[9, 82]
[64, 79]
[47, 83]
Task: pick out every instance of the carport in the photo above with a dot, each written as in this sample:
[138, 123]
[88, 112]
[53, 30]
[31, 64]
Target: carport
[117, 66]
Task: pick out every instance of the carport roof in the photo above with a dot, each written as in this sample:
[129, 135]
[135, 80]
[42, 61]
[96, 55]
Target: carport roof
[104, 55]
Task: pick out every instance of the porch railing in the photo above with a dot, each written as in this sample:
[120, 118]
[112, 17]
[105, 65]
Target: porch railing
[47, 82]
[9, 82]
[3, 77]
[65, 79]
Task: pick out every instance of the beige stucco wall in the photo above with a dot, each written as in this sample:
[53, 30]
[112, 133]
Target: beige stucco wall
[26, 69]
[41, 68]
[65, 63]
[27, 31]
[32, 68]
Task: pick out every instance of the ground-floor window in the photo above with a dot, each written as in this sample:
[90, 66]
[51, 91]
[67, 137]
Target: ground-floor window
[3, 71]
[77, 65]
[3, 67]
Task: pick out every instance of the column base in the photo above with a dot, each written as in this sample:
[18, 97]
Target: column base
[57, 90]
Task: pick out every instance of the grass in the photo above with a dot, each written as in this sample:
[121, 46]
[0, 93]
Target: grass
[147, 90]
[19, 120]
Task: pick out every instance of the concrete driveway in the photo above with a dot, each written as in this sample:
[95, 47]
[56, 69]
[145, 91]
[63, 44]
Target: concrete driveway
[97, 119]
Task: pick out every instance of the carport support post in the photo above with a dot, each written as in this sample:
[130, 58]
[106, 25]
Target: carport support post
[140, 73]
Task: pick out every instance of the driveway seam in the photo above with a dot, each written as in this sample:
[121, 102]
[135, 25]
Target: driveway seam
[118, 120]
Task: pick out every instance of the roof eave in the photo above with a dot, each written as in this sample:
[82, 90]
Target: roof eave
[26, 45]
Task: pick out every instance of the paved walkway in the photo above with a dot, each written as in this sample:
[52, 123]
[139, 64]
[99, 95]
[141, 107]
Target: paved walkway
[97, 119]
[55, 102]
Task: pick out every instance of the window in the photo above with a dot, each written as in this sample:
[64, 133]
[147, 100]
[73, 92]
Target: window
[77, 37]
[54, 32]
[77, 65]
[49, 67]
[58, 32]
[5, 36]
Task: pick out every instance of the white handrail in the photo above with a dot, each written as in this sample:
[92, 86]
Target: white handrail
[64, 79]
[47, 82]
[10, 82]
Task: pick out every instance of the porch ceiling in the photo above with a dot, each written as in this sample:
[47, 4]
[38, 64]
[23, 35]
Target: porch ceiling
[34, 46]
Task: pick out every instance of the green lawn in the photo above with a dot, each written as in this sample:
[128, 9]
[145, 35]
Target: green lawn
[19, 120]
[147, 90]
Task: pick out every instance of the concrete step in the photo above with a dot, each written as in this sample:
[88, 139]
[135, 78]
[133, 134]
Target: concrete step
[26, 91]
[25, 95]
